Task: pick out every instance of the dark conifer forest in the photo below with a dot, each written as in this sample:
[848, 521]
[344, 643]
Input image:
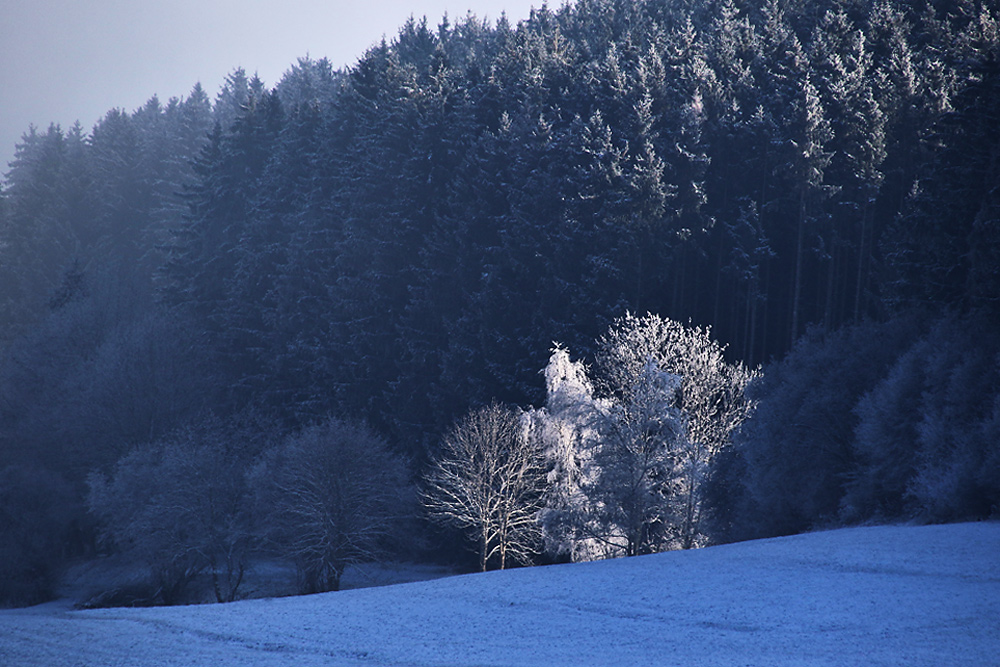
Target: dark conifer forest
[195, 293]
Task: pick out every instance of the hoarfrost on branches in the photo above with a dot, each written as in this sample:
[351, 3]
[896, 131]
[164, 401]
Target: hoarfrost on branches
[488, 482]
[627, 459]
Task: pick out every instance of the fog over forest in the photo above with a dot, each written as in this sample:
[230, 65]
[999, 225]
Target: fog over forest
[624, 277]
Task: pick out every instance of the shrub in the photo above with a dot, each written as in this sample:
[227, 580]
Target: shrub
[796, 453]
[925, 442]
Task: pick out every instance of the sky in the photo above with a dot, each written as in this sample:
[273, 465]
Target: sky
[63, 61]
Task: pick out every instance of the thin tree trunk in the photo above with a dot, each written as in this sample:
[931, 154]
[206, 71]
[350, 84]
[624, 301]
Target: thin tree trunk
[764, 340]
[831, 275]
[638, 278]
[798, 266]
[753, 357]
[716, 305]
[483, 551]
[861, 262]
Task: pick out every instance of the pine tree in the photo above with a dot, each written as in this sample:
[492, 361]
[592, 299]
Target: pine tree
[207, 251]
[36, 246]
[949, 259]
[809, 158]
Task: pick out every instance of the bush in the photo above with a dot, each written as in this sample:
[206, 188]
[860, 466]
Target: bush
[876, 422]
[885, 442]
[796, 454]
[926, 443]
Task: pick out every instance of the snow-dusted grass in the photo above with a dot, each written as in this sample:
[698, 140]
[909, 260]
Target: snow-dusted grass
[85, 582]
[898, 595]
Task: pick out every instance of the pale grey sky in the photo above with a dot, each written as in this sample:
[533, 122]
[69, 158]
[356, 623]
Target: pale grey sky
[68, 60]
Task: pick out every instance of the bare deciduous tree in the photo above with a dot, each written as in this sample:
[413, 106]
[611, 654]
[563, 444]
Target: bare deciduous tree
[336, 495]
[181, 506]
[488, 482]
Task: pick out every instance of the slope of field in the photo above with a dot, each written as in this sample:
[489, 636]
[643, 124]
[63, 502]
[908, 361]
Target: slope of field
[897, 595]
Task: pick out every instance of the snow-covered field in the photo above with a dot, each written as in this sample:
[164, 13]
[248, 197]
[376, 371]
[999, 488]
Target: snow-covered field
[863, 596]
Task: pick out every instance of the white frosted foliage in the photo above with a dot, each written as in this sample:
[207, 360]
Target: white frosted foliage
[567, 428]
[628, 452]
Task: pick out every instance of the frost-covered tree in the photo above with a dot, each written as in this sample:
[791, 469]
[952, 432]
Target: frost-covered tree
[627, 466]
[643, 463]
[567, 430]
[181, 507]
[335, 496]
[710, 396]
[487, 481]
[613, 462]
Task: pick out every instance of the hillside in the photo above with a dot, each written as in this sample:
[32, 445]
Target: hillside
[875, 595]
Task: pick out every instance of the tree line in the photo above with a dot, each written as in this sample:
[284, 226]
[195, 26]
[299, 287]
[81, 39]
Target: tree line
[401, 241]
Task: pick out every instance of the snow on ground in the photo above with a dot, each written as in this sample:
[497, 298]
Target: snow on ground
[898, 595]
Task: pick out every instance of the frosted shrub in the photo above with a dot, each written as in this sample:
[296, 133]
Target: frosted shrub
[925, 442]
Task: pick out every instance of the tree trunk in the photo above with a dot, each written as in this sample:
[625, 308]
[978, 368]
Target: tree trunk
[798, 266]
[484, 549]
[861, 262]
